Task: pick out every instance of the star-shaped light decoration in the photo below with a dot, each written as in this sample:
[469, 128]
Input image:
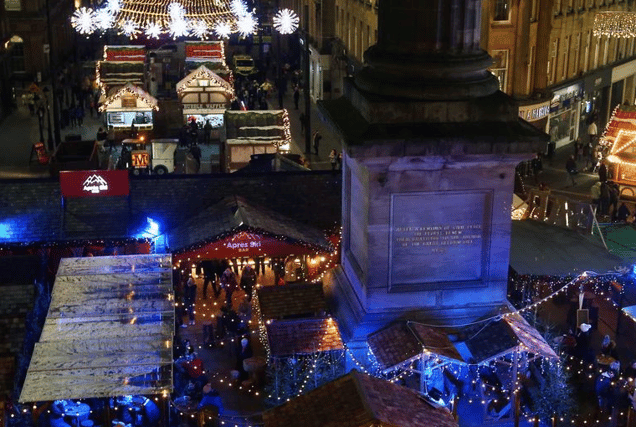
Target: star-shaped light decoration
[114, 6]
[103, 19]
[83, 20]
[130, 29]
[223, 30]
[176, 11]
[238, 8]
[200, 29]
[286, 21]
[178, 28]
[247, 25]
[153, 30]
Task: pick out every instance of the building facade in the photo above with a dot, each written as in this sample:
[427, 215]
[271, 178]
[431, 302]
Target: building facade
[547, 57]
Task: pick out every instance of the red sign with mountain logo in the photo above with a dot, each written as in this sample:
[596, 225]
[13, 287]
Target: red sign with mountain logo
[94, 183]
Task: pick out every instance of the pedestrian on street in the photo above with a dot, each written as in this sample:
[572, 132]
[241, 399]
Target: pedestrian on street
[592, 132]
[303, 121]
[570, 166]
[340, 161]
[333, 159]
[248, 280]
[296, 96]
[190, 296]
[316, 141]
[207, 129]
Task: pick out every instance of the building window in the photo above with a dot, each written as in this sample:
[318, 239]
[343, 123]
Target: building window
[589, 4]
[13, 5]
[529, 77]
[557, 7]
[16, 49]
[500, 67]
[566, 58]
[502, 10]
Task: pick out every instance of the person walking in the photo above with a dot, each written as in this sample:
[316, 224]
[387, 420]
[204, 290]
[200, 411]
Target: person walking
[592, 132]
[316, 141]
[190, 295]
[333, 159]
[570, 166]
[296, 96]
[228, 282]
[303, 122]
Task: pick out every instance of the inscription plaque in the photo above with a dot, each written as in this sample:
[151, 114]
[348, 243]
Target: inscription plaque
[438, 237]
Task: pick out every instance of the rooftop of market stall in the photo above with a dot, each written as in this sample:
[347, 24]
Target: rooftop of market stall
[233, 227]
[121, 65]
[620, 139]
[108, 332]
[204, 96]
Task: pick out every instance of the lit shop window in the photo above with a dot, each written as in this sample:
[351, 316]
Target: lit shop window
[500, 67]
[12, 5]
[502, 10]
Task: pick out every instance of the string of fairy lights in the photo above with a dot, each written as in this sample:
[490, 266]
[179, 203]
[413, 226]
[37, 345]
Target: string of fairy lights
[176, 19]
[615, 24]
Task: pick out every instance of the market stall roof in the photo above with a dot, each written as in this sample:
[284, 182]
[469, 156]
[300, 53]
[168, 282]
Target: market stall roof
[114, 74]
[136, 91]
[623, 121]
[548, 250]
[403, 342]
[204, 73]
[258, 127]
[358, 399]
[108, 331]
[292, 300]
[233, 215]
[303, 336]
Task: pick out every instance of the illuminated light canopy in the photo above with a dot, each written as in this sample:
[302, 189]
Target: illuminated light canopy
[113, 6]
[153, 30]
[83, 20]
[615, 24]
[176, 11]
[247, 25]
[223, 30]
[286, 21]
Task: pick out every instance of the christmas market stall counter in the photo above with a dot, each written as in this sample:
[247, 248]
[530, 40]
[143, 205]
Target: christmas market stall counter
[129, 109]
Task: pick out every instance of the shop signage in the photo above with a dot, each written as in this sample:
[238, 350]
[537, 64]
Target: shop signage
[532, 113]
[210, 106]
[243, 242]
[94, 183]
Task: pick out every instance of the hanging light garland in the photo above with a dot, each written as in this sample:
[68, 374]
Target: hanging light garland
[615, 24]
[286, 21]
[177, 19]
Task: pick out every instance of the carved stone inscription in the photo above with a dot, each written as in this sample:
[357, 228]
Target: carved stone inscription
[437, 237]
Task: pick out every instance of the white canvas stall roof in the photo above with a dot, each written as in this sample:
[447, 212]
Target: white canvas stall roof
[108, 331]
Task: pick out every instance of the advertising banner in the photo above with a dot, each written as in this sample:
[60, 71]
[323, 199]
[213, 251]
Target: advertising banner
[94, 183]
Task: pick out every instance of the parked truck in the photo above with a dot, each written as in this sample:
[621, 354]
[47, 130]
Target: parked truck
[141, 157]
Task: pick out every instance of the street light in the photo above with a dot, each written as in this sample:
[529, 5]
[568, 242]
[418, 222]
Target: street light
[50, 144]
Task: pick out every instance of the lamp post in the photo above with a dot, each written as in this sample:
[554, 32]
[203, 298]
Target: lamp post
[56, 122]
[306, 69]
[51, 146]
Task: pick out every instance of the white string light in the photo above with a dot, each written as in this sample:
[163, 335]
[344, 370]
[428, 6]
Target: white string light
[246, 25]
[153, 30]
[286, 21]
[83, 20]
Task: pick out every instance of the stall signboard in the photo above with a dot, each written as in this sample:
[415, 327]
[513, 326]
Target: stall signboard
[534, 112]
[94, 183]
[210, 106]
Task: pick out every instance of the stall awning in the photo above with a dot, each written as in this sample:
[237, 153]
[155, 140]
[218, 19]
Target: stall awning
[303, 336]
[204, 73]
[548, 250]
[233, 227]
[108, 331]
[482, 342]
[135, 91]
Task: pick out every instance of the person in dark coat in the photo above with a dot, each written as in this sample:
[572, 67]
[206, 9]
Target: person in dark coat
[570, 167]
[207, 130]
[296, 96]
[190, 295]
[623, 213]
[229, 283]
[248, 280]
[211, 397]
[602, 172]
[244, 353]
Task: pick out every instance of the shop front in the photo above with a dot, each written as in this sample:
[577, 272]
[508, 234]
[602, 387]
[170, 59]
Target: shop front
[595, 100]
[563, 122]
[204, 97]
[129, 108]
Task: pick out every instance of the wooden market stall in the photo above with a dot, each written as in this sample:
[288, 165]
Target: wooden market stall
[619, 139]
[120, 65]
[204, 97]
[108, 333]
[255, 132]
[129, 106]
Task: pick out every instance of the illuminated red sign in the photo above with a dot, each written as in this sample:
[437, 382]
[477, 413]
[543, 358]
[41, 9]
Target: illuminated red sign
[94, 183]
